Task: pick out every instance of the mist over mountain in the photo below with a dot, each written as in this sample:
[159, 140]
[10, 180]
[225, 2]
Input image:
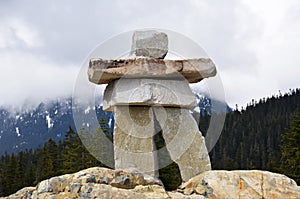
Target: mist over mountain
[30, 128]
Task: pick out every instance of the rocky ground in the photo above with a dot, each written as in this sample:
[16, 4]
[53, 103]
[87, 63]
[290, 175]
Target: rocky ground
[105, 183]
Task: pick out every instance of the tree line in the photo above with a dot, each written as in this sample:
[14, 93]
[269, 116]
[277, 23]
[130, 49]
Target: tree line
[264, 135]
[29, 167]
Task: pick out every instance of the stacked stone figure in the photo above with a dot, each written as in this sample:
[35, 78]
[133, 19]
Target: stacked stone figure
[149, 94]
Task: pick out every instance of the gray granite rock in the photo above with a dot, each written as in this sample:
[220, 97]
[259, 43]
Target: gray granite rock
[44, 186]
[103, 71]
[250, 184]
[149, 43]
[184, 141]
[133, 143]
[149, 92]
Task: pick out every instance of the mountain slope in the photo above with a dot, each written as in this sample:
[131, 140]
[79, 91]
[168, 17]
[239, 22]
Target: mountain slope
[32, 128]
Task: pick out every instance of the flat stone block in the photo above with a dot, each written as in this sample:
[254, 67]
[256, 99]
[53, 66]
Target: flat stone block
[149, 92]
[103, 71]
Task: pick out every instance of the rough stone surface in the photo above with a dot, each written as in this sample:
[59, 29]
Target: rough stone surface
[25, 193]
[177, 195]
[149, 43]
[103, 71]
[184, 141]
[133, 142]
[250, 184]
[149, 92]
[45, 186]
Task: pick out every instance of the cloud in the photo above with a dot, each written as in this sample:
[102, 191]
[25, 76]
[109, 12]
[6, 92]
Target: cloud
[43, 44]
[15, 33]
[26, 77]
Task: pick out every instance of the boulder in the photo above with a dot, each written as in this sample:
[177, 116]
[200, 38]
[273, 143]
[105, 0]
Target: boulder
[242, 184]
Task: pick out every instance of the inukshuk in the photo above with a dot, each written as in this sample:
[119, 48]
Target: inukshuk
[149, 95]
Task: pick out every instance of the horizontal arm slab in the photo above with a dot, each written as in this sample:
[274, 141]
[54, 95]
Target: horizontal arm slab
[103, 71]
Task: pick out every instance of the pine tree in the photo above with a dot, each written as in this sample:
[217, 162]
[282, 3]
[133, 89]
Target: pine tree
[20, 170]
[53, 154]
[104, 128]
[11, 176]
[30, 175]
[99, 143]
[71, 152]
[290, 147]
[1, 178]
[44, 165]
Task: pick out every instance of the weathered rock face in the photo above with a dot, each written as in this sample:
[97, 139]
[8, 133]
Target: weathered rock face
[103, 71]
[149, 92]
[95, 183]
[247, 184]
[133, 143]
[184, 141]
[122, 184]
[149, 43]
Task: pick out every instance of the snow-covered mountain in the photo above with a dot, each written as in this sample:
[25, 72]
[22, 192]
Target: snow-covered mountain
[205, 105]
[32, 128]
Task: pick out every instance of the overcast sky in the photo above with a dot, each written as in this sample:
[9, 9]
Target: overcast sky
[254, 43]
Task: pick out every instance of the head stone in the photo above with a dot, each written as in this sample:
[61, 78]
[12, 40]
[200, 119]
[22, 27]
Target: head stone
[149, 43]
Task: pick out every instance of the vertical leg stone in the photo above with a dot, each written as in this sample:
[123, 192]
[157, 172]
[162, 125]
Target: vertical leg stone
[184, 141]
[133, 139]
